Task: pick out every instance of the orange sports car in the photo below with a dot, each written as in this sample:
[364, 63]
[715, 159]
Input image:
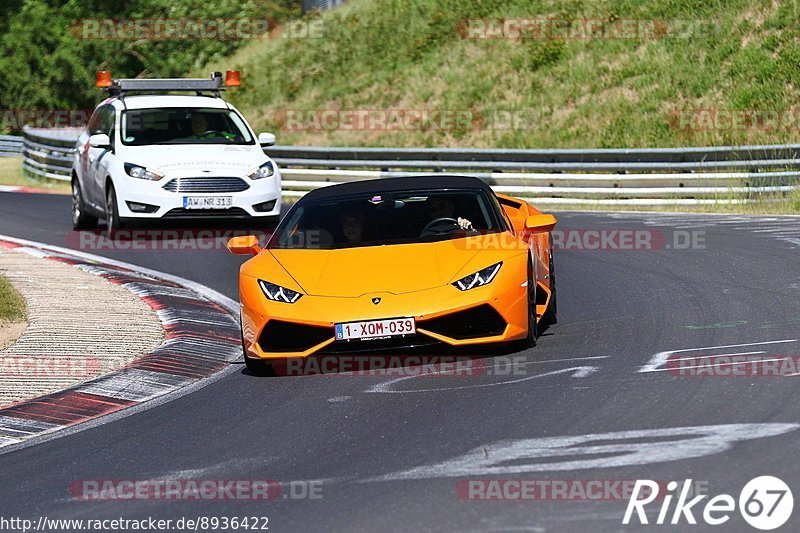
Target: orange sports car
[397, 262]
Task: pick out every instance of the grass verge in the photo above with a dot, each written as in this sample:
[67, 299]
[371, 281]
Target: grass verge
[12, 305]
[674, 86]
[711, 73]
[11, 174]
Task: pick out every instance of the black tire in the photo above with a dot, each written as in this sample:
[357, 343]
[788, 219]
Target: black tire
[551, 316]
[256, 367]
[80, 219]
[113, 221]
[533, 324]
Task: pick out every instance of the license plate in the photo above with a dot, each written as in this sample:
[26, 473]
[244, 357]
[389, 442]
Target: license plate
[375, 329]
[207, 202]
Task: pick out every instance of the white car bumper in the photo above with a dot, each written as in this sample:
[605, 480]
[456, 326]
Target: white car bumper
[164, 203]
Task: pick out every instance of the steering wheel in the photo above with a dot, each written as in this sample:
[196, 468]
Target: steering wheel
[437, 226]
[210, 133]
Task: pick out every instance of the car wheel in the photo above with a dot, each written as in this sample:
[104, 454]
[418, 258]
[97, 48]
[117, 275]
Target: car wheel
[113, 222]
[255, 366]
[80, 219]
[258, 368]
[551, 316]
[533, 325]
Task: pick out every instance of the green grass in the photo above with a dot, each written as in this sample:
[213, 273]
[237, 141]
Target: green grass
[12, 306]
[408, 54]
[11, 174]
[734, 55]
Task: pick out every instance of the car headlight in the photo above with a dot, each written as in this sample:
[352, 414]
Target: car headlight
[135, 171]
[264, 171]
[276, 293]
[479, 278]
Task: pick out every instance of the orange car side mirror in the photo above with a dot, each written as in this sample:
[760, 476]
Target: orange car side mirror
[540, 223]
[244, 245]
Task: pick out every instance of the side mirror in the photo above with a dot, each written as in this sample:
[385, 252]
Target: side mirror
[100, 140]
[266, 139]
[540, 223]
[247, 245]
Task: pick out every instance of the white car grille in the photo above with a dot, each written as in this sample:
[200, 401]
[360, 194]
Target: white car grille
[206, 185]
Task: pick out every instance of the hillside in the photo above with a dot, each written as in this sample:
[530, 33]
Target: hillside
[698, 72]
[50, 50]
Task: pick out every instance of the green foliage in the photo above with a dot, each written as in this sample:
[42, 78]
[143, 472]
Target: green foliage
[413, 54]
[545, 53]
[48, 63]
[12, 306]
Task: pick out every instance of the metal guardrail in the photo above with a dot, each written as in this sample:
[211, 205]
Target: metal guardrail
[10, 146]
[553, 156]
[320, 5]
[47, 153]
[660, 176]
[681, 176]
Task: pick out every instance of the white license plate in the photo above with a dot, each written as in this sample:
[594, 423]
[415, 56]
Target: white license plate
[375, 329]
[207, 202]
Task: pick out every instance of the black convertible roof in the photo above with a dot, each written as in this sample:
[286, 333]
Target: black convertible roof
[391, 185]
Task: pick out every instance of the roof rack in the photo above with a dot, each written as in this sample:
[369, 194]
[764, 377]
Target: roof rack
[214, 84]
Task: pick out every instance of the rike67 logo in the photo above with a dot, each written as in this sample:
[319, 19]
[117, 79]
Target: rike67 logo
[765, 503]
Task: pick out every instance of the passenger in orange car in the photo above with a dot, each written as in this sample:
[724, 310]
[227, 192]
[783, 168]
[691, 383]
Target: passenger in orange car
[353, 225]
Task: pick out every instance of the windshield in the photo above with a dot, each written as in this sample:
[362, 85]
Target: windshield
[175, 125]
[382, 219]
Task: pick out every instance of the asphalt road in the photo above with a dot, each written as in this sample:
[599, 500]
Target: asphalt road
[391, 453]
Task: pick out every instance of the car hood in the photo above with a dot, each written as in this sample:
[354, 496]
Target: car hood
[191, 158]
[395, 269]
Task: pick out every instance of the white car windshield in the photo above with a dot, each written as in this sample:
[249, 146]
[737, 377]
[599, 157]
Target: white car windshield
[175, 125]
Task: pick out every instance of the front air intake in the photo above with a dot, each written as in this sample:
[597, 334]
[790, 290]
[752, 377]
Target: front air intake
[279, 337]
[481, 321]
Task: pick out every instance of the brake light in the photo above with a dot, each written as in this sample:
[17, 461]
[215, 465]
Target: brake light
[232, 78]
[103, 79]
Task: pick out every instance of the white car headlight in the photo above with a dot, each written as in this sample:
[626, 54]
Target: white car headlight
[264, 171]
[135, 171]
[478, 279]
[276, 293]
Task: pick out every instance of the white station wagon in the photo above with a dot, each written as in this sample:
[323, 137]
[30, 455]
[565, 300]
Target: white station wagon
[148, 153]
